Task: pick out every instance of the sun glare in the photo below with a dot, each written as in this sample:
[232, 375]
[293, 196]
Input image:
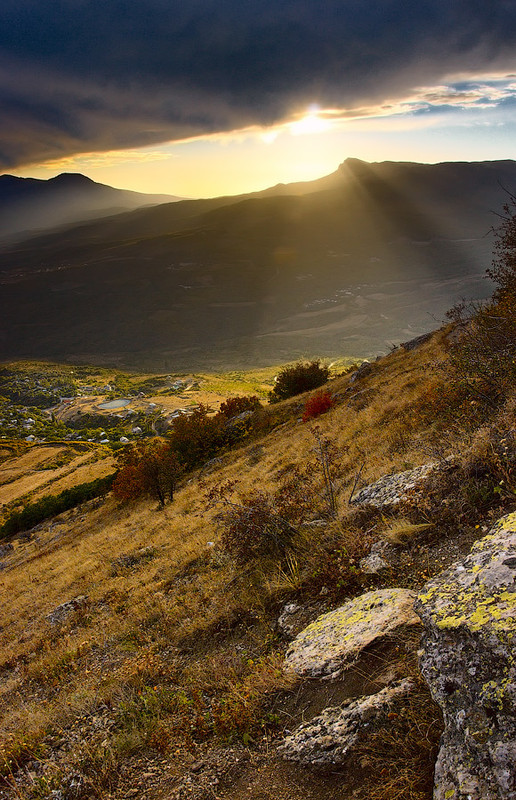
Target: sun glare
[310, 123]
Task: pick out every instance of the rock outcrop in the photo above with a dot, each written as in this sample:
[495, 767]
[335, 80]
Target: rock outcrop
[330, 737]
[335, 640]
[62, 612]
[391, 490]
[469, 662]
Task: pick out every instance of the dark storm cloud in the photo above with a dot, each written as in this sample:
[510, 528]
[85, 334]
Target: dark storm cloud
[79, 75]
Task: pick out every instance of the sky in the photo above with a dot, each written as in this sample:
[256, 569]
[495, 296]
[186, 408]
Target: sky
[199, 98]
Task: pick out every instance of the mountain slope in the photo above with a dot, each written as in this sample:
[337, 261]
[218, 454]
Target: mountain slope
[351, 263]
[138, 656]
[30, 203]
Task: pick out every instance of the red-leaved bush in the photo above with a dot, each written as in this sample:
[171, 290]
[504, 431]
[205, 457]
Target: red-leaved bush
[316, 405]
[151, 469]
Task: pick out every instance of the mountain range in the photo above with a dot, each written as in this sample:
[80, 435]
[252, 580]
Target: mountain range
[30, 203]
[349, 264]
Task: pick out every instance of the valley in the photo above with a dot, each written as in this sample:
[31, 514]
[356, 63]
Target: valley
[351, 264]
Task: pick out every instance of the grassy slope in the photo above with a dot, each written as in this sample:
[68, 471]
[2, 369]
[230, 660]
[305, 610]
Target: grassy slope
[175, 655]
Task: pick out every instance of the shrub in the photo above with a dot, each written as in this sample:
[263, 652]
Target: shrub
[260, 524]
[298, 378]
[483, 359]
[316, 405]
[237, 405]
[252, 526]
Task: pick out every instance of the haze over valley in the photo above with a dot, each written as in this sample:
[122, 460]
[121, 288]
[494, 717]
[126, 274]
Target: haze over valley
[350, 264]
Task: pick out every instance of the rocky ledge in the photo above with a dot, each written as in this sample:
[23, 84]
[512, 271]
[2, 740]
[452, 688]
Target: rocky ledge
[390, 490]
[334, 641]
[331, 737]
[469, 660]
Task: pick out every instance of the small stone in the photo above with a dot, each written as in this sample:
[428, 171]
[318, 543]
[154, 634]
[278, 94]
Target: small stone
[63, 611]
[373, 564]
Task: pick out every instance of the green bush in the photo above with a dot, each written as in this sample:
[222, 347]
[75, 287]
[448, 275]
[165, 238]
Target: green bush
[298, 378]
[34, 513]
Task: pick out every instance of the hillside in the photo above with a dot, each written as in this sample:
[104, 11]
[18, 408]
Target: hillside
[28, 204]
[353, 263]
[162, 674]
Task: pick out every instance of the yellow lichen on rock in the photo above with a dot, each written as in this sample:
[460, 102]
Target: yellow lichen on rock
[468, 659]
[337, 638]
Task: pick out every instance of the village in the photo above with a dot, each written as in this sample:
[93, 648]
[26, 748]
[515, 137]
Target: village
[41, 404]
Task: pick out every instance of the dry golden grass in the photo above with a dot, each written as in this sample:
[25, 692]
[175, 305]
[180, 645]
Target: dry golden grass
[124, 638]
[401, 531]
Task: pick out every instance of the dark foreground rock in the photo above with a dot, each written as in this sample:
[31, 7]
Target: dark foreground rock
[469, 661]
[331, 737]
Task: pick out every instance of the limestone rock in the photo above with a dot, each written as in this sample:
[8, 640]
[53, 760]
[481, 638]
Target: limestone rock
[63, 611]
[373, 564]
[330, 737]
[364, 369]
[335, 640]
[285, 619]
[469, 661]
[390, 490]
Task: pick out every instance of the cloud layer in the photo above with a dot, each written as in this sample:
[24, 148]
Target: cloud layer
[94, 75]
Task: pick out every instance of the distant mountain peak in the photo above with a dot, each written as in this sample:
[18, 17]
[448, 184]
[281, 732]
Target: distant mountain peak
[72, 179]
[34, 203]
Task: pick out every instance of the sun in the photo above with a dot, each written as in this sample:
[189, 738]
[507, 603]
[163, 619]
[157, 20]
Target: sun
[310, 123]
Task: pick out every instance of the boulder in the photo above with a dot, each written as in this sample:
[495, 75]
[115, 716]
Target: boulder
[335, 640]
[330, 737]
[469, 662]
[413, 344]
[391, 490]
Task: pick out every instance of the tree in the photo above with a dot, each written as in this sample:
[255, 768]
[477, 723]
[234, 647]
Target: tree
[196, 437]
[147, 469]
[298, 378]
[237, 405]
[503, 269]
[483, 357]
